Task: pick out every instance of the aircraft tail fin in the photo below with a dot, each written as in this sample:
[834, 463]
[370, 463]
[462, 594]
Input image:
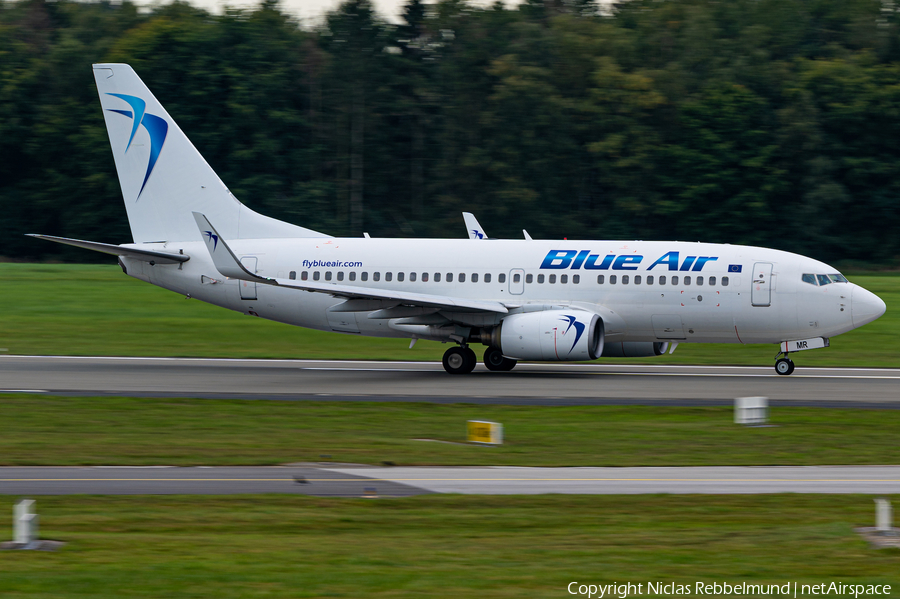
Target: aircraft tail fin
[163, 176]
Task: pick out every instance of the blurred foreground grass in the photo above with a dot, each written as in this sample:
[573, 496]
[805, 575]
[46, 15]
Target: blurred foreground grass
[43, 430]
[64, 309]
[438, 545]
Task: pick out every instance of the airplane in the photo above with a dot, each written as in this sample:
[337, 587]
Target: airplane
[530, 299]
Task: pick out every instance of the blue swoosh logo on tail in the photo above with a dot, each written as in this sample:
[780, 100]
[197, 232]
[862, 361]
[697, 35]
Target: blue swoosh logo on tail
[156, 127]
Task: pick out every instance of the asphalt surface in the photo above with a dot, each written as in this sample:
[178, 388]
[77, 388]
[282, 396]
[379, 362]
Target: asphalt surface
[403, 481]
[530, 384]
[163, 480]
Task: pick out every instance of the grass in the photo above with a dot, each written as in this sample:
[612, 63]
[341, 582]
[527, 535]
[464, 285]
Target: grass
[439, 546]
[51, 309]
[45, 430]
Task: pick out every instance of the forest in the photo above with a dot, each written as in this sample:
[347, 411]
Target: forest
[762, 122]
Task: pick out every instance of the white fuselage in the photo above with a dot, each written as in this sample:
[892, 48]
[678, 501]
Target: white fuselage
[711, 294]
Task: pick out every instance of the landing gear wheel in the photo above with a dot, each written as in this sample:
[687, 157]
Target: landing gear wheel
[459, 360]
[494, 360]
[784, 366]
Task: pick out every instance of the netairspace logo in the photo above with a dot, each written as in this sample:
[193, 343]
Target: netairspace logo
[718, 589]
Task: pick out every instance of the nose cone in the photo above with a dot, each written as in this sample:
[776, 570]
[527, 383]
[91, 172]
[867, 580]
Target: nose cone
[865, 306]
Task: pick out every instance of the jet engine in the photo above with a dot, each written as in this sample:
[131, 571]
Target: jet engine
[634, 349]
[552, 335]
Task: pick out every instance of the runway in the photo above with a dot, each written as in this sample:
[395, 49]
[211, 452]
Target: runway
[528, 384]
[402, 481]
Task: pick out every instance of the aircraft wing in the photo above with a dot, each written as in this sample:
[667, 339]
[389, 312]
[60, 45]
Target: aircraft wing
[129, 251]
[473, 226]
[228, 265]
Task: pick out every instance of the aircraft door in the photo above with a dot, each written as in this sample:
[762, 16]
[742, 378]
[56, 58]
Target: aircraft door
[248, 288]
[761, 292]
[516, 281]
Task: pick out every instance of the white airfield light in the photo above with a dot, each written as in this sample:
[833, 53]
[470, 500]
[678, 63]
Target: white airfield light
[544, 300]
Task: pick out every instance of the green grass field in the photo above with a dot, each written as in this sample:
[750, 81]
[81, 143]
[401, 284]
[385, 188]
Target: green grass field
[41, 430]
[438, 546]
[96, 310]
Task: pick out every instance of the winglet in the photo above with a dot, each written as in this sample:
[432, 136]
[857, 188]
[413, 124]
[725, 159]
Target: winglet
[527, 236]
[473, 226]
[224, 259]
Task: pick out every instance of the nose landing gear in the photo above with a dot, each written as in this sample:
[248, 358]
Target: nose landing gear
[784, 365]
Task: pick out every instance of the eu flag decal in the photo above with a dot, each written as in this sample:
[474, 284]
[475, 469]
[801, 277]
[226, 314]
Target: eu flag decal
[734, 268]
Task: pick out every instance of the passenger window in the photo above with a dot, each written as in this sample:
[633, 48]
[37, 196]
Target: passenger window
[529, 278]
[699, 281]
[563, 278]
[687, 281]
[412, 277]
[612, 279]
[424, 277]
[364, 276]
[600, 279]
[437, 277]
[823, 279]
[316, 276]
[637, 279]
[624, 279]
[516, 278]
[811, 279]
[724, 281]
[449, 277]
[304, 276]
[487, 277]
[293, 275]
[649, 279]
[540, 278]
[475, 278]
[502, 278]
[341, 276]
[376, 276]
[662, 279]
[352, 276]
[400, 276]
[552, 278]
[576, 279]
[328, 276]
[674, 280]
[712, 281]
[388, 276]
[462, 277]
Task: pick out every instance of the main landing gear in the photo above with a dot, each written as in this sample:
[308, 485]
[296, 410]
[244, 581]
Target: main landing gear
[462, 360]
[459, 360]
[496, 361]
[784, 365]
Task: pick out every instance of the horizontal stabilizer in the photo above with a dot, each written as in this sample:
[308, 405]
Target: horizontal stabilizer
[128, 251]
[228, 264]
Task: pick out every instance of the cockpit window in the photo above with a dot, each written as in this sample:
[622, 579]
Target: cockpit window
[811, 279]
[839, 278]
[823, 279]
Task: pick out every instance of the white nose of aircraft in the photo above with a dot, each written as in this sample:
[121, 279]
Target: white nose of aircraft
[865, 306]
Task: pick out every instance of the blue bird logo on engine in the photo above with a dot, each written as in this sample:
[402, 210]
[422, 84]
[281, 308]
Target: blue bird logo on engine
[212, 237]
[579, 329]
[156, 127]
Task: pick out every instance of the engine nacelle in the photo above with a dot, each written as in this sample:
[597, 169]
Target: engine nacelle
[552, 335]
[634, 349]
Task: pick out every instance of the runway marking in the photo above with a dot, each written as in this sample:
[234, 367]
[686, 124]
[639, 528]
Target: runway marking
[368, 480]
[388, 364]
